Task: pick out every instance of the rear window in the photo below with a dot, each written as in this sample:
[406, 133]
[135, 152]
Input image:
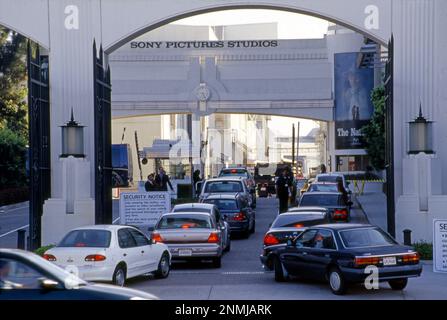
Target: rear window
[223, 204]
[291, 220]
[323, 188]
[234, 172]
[318, 200]
[223, 186]
[360, 238]
[184, 222]
[87, 238]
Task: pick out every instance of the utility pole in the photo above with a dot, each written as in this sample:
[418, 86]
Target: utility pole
[293, 146]
[297, 146]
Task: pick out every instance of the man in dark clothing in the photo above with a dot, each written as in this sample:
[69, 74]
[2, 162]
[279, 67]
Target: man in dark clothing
[150, 183]
[283, 188]
[162, 180]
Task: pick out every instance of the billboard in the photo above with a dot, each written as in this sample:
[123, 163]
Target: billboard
[353, 106]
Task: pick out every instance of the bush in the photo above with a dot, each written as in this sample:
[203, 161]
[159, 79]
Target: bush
[425, 249]
[13, 195]
[40, 251]
[12, 159]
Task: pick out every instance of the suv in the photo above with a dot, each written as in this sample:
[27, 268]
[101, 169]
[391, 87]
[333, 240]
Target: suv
[227, 185]
[236, 211]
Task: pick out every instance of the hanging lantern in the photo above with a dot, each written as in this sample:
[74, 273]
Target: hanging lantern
[421, 135]
[72, 139]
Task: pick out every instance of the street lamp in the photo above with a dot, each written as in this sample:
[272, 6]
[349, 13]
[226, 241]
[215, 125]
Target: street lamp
[421, 136]
[72, 139]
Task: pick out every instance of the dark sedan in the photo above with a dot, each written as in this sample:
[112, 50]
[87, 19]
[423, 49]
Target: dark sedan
[26, 276]
[288, 226]
[341, 253]
[337, 204]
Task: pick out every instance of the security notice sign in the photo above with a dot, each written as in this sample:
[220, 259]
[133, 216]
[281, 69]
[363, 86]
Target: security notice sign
[440, 246]
[143, 208]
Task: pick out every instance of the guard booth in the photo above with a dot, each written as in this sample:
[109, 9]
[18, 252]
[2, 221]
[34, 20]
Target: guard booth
[175, 157]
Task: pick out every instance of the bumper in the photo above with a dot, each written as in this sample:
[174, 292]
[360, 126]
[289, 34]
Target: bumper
[236, 226]
[385, 273]
[93, 273]
[197, 251]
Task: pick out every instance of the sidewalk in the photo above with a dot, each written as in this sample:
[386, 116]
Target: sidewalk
[374, 207]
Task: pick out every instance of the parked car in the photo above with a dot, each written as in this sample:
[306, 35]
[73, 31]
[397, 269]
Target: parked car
[212, 210]
[339, 254]
[190, 235]
[228, 185]
[110, 253]
[27, 276]
[335, 202]
[288, 226]
[236, 210]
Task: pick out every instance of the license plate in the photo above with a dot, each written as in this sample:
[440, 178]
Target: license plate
[185, 252]
[389, 261]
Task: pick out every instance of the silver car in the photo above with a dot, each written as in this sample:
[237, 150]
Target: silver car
[225, 185]
[190, 235]
[212, 210]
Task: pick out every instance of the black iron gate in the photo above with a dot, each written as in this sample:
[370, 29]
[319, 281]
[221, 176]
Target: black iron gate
[389, 127]
[39, 139]
[103, 139]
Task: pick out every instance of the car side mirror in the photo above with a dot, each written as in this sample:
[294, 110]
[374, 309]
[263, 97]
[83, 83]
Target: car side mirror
[48, 284]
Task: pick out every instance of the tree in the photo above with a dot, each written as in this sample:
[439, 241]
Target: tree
[12, 159]
[374, 131]
[13, 86]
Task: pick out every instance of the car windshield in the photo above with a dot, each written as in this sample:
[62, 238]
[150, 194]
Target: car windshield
[87, 238]
[323, 188]
[223, 186]
[223, 204]
[329, 179]
[319, 200]
[185, 222]
[234, 172]
[360, 238]
[294, 220]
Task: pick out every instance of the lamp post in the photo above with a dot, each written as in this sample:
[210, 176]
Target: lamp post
[421, 135]
[72, 139]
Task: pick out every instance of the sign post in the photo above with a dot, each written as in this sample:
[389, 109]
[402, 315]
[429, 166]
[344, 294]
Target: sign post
[143, 208]
[440, 246]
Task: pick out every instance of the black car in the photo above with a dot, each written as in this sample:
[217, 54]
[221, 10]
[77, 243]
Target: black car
[288, 226]
[337, 204]
[236, 211]
[27, 276]
[340, 253]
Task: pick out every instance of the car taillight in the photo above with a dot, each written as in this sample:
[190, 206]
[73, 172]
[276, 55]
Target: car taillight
[340, 214]
[270, 240]
[95, 257]
[240, 217]
[366, 261]
[411, 258]
[49, 257]
[214, 237]
[156, 237]
[298, 225]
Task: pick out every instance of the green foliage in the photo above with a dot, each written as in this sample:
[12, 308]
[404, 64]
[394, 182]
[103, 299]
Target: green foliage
[374, 132]
[12, 159]
[41, 251]
[13, 86]
[425, 249]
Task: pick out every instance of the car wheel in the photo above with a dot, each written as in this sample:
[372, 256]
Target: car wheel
[280, 276]
[398, 284]
[217, 262]
[163, 267]
[119, 276]
[337, 281]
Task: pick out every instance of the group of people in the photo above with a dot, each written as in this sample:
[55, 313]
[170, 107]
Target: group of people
[159, 182]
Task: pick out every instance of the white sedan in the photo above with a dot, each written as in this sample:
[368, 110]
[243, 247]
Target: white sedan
[110, 253]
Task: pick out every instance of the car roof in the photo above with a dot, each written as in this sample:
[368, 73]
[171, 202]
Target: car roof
[322, 193]
[186, 213]
[194, 205]
[235, 168]
[344, 226]
[301, 213]
[338, 174]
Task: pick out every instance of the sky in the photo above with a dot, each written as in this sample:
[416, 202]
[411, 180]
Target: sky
[290, 25]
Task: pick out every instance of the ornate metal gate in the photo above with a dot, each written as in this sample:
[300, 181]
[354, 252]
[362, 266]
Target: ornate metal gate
[39, 139]
[103, 139]
[389, 127]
